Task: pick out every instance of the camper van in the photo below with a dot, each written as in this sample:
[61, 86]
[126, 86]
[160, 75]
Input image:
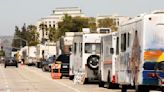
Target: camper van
[141, 53]
[108, 55]
[86, 50]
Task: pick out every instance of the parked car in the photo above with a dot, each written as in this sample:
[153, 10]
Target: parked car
[64, 59]
[10, 61]
[46, 64]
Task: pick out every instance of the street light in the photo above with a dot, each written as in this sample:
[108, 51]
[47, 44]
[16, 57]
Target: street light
[17, 37]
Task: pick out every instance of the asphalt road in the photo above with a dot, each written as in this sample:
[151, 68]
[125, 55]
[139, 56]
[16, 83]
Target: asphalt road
[31, 79]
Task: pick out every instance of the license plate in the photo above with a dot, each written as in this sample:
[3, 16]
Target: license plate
[65, 66]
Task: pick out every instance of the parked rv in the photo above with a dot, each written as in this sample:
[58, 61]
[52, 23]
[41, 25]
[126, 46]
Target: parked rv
[44, 51]
[107, 66]
[141, 53]
[86, 50]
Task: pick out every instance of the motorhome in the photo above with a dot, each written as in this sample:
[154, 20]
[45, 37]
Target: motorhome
[44, 51]
[72, 55]
[141, 53]
[108, 57]
[86, 50]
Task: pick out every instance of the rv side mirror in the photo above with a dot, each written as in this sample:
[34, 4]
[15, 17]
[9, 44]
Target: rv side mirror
[111, 51]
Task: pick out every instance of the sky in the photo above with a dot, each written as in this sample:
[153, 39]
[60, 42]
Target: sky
[17, 12]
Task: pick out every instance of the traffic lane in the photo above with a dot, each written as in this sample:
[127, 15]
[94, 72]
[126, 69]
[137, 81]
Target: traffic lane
[22, 80]
[68, 83]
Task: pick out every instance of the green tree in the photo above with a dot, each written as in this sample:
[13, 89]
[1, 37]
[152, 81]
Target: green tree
[28, 33]
[72, 24]
[92, 24]
[53, 34]
[33, 35]
[16, 42]
[108, 22]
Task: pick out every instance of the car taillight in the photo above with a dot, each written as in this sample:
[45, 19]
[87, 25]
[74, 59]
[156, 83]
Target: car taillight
[162, 82]
[113, 79]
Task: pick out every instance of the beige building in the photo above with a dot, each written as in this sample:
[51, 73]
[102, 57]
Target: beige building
[118, 19]
[53, 19]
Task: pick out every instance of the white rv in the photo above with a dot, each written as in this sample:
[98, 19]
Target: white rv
[72, 56]
[108, 55]
[141, 53]
[28, 53]
[86, 50]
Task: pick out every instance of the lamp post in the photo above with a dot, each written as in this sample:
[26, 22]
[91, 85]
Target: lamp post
[17, 37]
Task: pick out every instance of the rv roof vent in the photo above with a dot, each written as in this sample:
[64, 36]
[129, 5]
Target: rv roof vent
[158, 12]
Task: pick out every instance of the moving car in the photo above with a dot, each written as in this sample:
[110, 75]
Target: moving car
[10, 61]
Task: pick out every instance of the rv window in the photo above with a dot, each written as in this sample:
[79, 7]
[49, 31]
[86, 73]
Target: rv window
[111, 51]
[123, 42]
[128, 40]
[104, 30]
[75, 48]
[92, 48]
[117, 46]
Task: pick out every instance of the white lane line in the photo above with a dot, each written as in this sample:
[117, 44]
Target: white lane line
[5, 80]
[76, 90]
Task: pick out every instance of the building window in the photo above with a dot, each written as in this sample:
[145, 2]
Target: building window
[49, 22]
[54, 25]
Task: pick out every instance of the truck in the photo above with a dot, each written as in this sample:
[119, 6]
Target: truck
[141, 52]
[108, 57]
[44, 51]
[27, 54]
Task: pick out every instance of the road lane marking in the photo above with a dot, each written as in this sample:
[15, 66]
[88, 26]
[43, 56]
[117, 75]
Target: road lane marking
[76, 90]
[5, 80]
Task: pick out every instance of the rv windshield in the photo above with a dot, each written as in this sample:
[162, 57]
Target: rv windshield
[92, 48]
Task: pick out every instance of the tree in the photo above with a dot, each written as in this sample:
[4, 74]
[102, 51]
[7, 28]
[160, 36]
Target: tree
[33, 35]
[72, 24]
[108, 22]
[53, 34]
[28, 34]
[92, 24]
[16, 42]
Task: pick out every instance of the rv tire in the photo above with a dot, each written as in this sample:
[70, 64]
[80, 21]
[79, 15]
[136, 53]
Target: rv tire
[71, 77]
[124, 88]
[141, 88]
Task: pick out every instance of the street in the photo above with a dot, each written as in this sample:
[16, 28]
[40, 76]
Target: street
[31, 79]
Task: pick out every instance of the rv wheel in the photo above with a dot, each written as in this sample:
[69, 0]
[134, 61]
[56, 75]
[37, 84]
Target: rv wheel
[93, 62]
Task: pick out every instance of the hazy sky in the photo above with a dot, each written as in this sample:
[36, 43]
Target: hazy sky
[18, 12]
